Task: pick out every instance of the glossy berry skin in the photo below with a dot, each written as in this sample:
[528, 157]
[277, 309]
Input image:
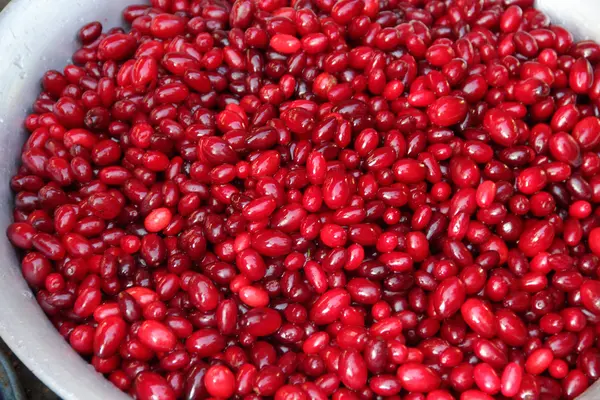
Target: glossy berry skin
[417, 378]
[448, 297]
[316, 199]
[156, 336]
[219, 381]
[447, 111]
[479, 317]
[149, 385]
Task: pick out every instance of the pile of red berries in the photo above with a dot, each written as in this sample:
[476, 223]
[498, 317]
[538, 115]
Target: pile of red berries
[347, 199]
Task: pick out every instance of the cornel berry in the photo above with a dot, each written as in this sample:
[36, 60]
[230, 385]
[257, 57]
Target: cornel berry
[346, 199]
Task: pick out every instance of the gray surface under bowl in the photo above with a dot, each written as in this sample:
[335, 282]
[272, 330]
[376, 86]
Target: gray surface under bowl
[37, 35]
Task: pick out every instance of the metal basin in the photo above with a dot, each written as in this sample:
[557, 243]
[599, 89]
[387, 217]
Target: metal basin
[39, 35]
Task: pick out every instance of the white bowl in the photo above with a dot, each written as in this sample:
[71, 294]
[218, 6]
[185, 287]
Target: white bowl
[35, 36]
